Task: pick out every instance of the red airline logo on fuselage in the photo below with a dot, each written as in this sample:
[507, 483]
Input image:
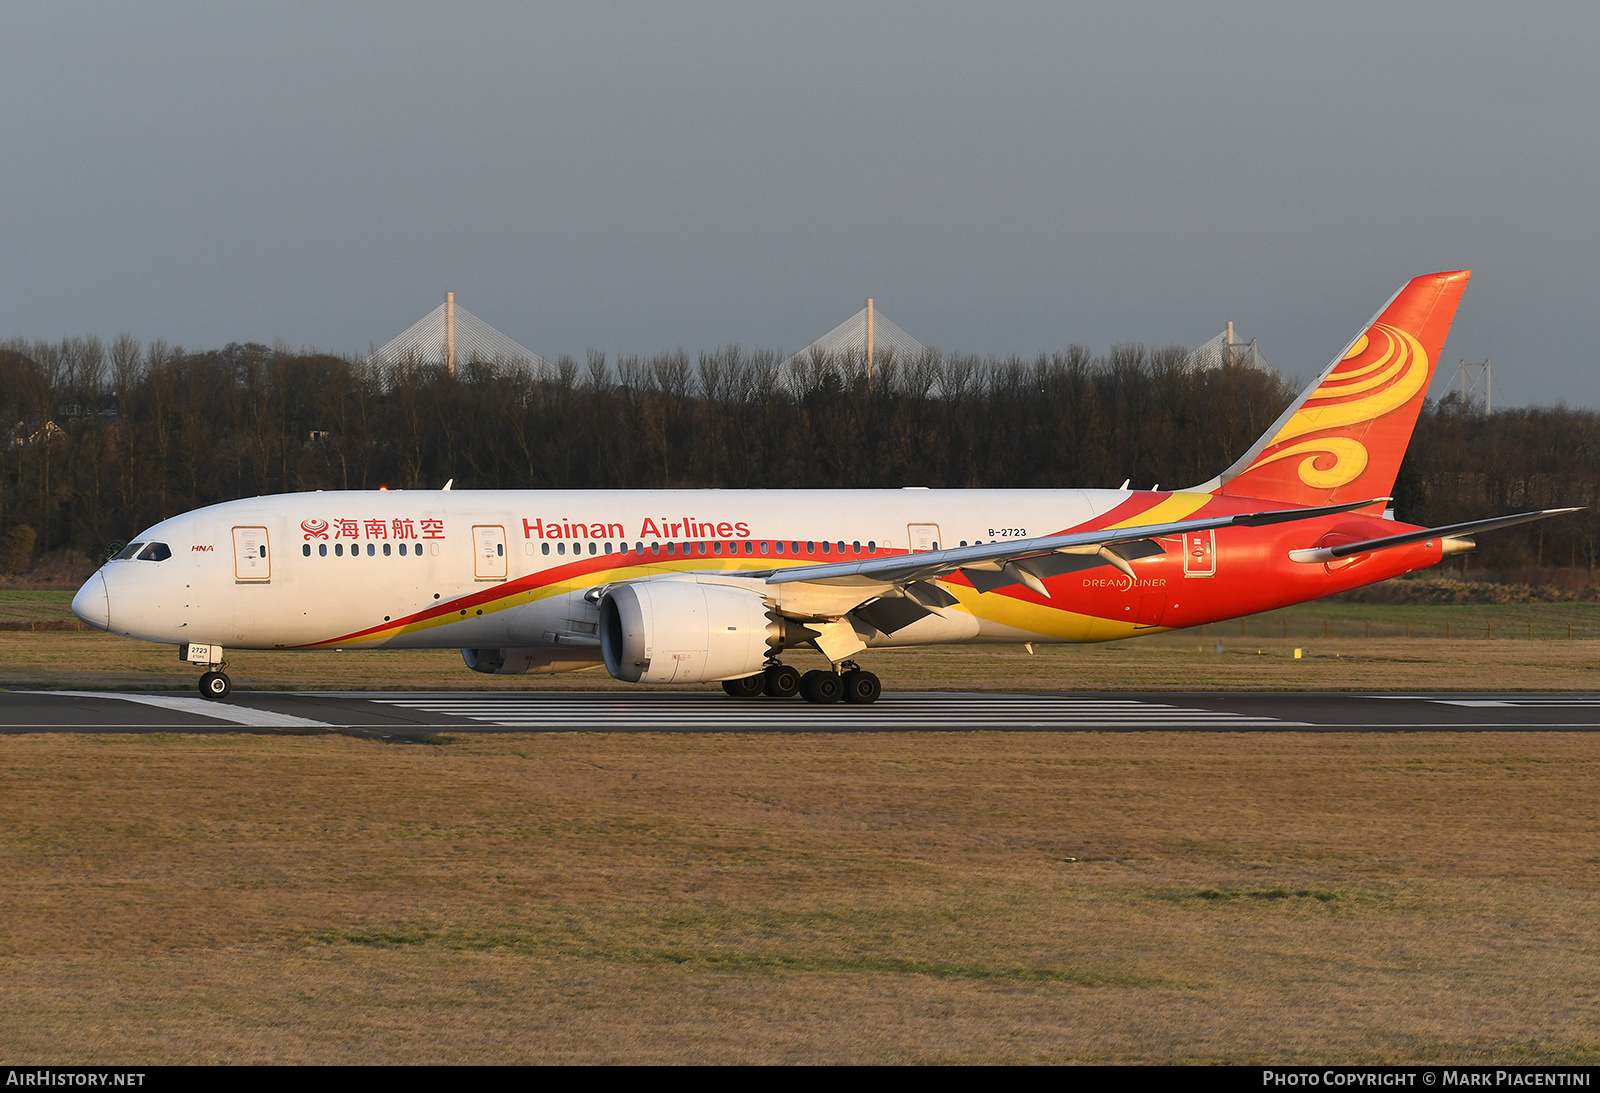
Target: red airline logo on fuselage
[686, 528]
[397, 528]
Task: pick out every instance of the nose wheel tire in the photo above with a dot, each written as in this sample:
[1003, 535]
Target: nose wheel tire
[748, 687]
[215, 685]
[780, 681]
[821, 687]
[861, 687]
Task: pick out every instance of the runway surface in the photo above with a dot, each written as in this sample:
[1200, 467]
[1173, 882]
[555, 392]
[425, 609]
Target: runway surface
[416, 715]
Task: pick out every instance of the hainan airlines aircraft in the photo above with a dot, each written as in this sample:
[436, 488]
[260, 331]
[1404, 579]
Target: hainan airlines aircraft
[692, 586]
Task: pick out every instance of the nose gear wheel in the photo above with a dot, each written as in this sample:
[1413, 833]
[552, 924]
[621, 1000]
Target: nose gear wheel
[216, 685]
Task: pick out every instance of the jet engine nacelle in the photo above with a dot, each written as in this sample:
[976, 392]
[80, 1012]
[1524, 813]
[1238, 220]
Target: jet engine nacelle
[514, 662]
[682, 631]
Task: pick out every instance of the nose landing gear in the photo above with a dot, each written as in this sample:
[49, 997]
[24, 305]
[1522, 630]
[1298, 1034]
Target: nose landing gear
[215, 684]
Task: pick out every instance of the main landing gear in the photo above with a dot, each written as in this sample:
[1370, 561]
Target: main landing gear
[854, 684]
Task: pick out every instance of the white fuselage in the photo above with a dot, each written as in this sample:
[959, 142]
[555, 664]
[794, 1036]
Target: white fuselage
[469, 568]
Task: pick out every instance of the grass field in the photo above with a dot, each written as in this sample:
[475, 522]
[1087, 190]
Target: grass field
[818, 898]
[955, 897]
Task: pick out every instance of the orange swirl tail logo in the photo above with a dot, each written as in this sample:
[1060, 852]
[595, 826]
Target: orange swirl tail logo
[1383, 371]
[1347, 435]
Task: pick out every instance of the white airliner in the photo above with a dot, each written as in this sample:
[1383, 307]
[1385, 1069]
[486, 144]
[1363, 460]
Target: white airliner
[689, 586]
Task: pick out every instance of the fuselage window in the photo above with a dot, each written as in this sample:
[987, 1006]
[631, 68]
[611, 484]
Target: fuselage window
[672, 548]
[963, 542]
[593, 549]
[499, 550]
[702, 548]
[794, 548]
[779, 547]
[127, 552]
[811, 548]
[826, 547]
[158, 552]
[322, 550]
[306, 550]
[385, 550]
[416, 548]
[608, 548]
[561, 548]
[544, 548]
[338, 550]
[855, 548]
[763, 546]
[841, 546]
[402, 550]
[655, 548]
[749, 548]
[716, 548]
[872, 547]
[372, 550]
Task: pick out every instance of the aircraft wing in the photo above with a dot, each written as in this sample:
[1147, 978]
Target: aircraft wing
[1027, 561]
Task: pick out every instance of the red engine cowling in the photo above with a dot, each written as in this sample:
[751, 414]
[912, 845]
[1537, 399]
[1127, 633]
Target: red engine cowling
[681, 631]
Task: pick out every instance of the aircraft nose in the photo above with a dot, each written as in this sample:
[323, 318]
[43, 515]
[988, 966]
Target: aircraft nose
[92, 604]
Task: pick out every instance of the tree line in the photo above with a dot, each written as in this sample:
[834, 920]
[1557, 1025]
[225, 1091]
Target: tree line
[104, 439]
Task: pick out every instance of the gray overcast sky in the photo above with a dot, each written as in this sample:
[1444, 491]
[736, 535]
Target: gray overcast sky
[636, 177]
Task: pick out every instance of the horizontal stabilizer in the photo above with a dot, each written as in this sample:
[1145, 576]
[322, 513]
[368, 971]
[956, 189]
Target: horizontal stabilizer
[1450, 531]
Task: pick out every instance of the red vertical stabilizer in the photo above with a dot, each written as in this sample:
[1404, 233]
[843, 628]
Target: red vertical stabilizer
[1346, 435]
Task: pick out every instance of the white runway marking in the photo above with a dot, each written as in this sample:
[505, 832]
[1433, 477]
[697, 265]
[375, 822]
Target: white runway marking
[925, 711]
[1534, 702]
[220, 711]
[1517, 703]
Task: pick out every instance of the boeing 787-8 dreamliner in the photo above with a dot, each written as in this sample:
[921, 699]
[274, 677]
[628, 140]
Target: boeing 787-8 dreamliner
[692, 586]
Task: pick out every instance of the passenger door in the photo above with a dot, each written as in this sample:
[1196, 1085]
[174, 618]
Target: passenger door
[489, 552]
[251, 561]
[923, 537]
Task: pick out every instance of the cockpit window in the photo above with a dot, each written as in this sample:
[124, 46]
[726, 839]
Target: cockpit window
[127, 552]
[155, 552]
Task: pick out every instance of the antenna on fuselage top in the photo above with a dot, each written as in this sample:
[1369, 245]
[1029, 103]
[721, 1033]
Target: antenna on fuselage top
[450, 483]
